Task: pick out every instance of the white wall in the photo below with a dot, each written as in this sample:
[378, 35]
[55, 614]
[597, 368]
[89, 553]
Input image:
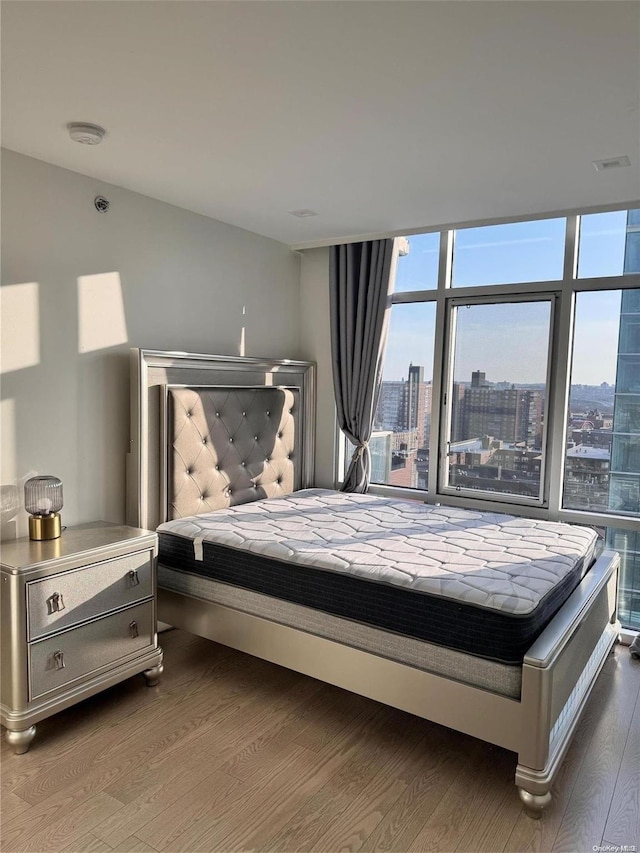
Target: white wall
[316, 346]
[80, 288]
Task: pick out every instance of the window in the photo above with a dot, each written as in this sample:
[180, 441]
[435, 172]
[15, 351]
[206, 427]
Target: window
[602, 244]
[418, 270]
[521, 394]
[602, 460]
[510, 253]
[495, 402]
[591, 400]
[402, 426]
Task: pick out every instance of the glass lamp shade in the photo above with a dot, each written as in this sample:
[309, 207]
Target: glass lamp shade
[43, 495]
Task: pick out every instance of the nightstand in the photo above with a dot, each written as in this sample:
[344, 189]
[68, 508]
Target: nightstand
[78, 615]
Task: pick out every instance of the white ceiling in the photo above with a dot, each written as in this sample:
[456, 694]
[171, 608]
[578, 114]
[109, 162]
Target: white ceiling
[380, 116]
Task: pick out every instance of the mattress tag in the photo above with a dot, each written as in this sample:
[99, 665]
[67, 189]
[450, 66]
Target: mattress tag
[198, 548]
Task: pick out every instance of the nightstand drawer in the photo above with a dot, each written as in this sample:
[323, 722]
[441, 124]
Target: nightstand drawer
[64, 600]
[59, 660]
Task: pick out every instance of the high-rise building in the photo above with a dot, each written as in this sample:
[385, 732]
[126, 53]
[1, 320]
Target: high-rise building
[513, 415]
[389, 410]
[405, 405]
[624, 493]
[457, 395]
[402, 424]
[428, 397]
[413, 404]
[624, 490]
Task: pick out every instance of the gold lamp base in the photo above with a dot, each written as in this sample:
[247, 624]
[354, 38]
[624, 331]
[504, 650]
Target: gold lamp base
[45, 526]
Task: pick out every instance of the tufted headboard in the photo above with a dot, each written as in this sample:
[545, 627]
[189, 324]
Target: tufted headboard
[209, 431]
[229, 445]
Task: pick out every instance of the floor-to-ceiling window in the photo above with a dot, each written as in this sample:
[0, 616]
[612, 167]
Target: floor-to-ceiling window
[512, 376]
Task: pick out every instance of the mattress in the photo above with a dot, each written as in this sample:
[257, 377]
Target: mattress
[482, 583]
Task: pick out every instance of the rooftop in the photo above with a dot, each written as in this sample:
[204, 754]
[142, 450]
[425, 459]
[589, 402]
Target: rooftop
[585, 451]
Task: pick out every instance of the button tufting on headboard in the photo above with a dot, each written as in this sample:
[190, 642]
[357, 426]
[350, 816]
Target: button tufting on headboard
[251, 432]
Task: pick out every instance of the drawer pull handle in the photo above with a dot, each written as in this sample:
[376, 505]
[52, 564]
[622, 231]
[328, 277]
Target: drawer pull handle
[133, 629]
[133, 577]
[55, 603]
[58, 660]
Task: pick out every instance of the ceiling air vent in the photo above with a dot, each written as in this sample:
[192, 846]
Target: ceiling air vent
[611, 163]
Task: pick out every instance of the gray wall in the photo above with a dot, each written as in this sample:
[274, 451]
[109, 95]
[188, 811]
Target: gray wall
[80, 288]
[316, 346]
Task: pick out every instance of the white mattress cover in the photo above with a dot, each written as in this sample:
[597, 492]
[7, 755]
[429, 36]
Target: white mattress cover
[486, 559]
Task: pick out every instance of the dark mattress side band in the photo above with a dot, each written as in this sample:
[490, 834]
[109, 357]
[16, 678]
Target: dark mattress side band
[485, 633]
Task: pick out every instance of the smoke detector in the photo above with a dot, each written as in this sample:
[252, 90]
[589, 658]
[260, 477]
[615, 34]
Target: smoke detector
[87, 134]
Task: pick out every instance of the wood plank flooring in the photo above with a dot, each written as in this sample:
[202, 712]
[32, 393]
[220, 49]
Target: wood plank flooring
[232, 753]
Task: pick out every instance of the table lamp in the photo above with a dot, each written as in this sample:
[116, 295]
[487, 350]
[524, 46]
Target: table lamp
[43, 502]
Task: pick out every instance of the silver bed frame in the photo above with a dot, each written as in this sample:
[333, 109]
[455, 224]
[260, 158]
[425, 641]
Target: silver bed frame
[558, 672]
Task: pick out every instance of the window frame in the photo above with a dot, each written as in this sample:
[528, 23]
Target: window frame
[446, 409]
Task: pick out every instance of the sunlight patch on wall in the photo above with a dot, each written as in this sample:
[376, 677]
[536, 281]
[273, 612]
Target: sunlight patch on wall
[8, 439]
[101, 319]
[19, 308]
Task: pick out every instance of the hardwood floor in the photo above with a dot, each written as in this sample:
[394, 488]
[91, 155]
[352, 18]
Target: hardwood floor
[231, 753]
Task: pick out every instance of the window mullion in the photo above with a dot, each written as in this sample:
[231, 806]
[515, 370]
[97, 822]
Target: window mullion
[498, 291]
[571, 245]
[628, 281]
[440, 382]
[445, 269]
[598, 519]
[411, 296]
[558, 400]
[557, 410]
[445, 262]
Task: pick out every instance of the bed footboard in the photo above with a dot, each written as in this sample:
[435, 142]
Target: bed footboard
[558, 674]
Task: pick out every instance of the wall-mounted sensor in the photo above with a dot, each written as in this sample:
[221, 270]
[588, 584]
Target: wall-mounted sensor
[101, 203]
[86, 134]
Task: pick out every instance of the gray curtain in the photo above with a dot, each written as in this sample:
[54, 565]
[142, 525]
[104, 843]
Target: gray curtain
[360, 277]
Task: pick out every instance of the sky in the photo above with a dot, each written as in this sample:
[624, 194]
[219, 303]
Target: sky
[510, 342]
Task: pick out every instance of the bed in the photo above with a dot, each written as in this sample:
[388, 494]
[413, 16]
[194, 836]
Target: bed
[493, 625]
